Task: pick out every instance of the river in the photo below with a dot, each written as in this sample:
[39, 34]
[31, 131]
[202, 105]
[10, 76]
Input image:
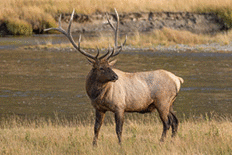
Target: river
[47, 83]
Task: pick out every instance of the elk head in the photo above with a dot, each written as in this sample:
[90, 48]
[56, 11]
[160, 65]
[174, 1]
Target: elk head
[102, 67]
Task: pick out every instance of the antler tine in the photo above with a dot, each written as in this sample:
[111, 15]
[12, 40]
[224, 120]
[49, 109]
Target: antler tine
[69, 36]
[124, 41]
[98, 51]
[60, 29]
[103, 56]
[81, 50]
[113, 53]
[116, 30]
[111, 25]
[70, 22]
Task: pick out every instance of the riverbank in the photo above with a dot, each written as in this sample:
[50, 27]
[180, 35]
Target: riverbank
[22, 17]
[58, 43]
[203, 135]
[209, 48]
[165, 40]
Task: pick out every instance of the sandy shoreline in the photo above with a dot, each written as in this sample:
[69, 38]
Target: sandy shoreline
[214, 47]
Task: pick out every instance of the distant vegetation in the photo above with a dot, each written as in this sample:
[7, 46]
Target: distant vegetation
[21, 17]
[165, 37]
[31, 14]
[198, 135]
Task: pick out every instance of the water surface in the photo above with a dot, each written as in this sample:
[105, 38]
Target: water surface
[43, 82]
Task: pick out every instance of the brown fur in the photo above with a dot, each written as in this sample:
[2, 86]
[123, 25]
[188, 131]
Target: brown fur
[132, 92]
[117, 91]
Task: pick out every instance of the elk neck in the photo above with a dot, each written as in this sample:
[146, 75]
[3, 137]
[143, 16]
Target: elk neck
[94, 88]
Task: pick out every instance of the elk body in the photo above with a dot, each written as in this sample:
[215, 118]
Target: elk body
[113, 90]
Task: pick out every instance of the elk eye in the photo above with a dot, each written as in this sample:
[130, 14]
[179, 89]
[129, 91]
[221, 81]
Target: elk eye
[101, 69]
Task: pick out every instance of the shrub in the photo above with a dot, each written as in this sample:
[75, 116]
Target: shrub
[18, 27]
[226, 15]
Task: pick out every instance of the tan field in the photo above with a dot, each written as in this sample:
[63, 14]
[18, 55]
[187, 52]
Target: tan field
[140, 136]
[37, 8]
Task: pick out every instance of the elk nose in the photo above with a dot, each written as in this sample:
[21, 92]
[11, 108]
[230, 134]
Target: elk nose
[115, 77]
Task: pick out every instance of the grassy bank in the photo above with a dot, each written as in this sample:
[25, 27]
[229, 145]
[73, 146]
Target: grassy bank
[21, 16]
[165, 37]
[140, 136]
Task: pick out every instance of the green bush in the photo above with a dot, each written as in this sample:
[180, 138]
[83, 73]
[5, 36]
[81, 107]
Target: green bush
[226, 15]
[18, 27]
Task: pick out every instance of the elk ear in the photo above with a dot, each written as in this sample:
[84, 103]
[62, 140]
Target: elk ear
[90, 61]
[112, 63]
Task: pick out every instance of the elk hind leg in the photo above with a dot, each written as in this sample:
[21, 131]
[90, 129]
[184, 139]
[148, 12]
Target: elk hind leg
[166, 120]
[174, 123]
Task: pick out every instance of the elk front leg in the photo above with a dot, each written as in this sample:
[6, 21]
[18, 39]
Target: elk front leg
[98, 123]
[119, 120]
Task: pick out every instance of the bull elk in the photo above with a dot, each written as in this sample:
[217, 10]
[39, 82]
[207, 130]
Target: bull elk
[110, 89]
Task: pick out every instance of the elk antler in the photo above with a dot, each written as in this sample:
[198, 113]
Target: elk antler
[69, 36]
[113, 53]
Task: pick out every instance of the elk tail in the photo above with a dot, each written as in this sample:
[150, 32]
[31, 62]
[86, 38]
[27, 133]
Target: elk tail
[181, 80]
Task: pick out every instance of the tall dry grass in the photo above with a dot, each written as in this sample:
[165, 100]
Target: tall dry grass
[203, 135]
[91, 6]
[42, 12]
[165, 37]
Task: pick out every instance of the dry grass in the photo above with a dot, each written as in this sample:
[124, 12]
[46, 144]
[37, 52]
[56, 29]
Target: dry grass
[140, 136]
[165, 37]
[42, 12]
[168, 36]
[14, 7]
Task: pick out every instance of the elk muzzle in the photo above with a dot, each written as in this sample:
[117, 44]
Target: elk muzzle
[114, 77]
